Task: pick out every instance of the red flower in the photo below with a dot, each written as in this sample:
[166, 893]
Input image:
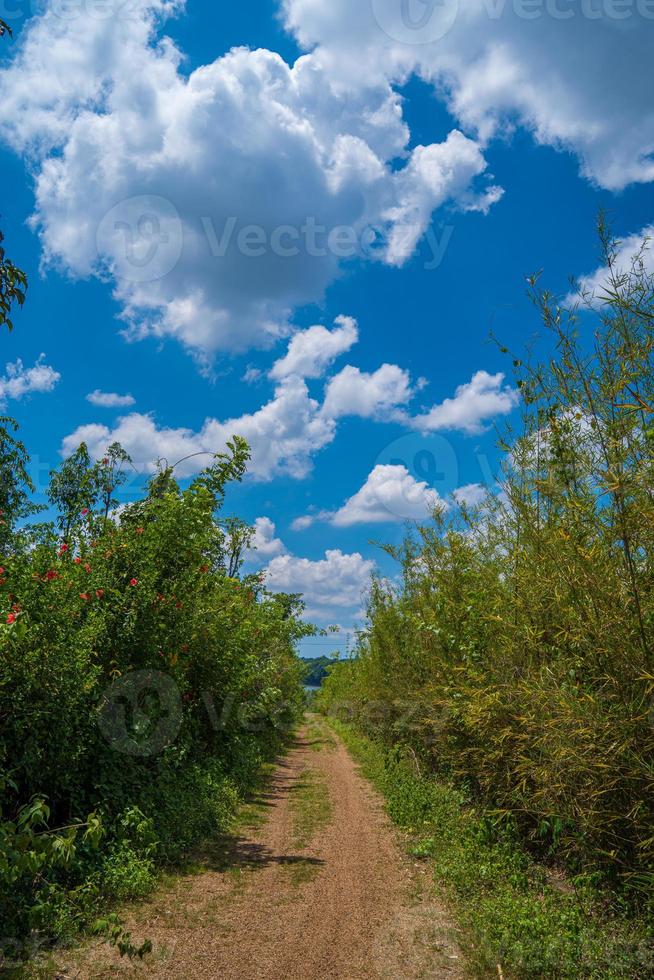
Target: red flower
[134, 581]
[11, 618]
[51, 575]
[139, 530]
[99, 593]
[78, 561]
[2, 571]
[85, 511]
[63, 549]
[87, 567]
[85, 596]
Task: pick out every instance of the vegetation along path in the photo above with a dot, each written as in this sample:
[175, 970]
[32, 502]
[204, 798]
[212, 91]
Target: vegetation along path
[315, 886]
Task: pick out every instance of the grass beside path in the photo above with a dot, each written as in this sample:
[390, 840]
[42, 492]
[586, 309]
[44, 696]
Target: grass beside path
[518, 922]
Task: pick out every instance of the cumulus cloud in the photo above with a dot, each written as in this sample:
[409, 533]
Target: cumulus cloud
[109, 399]
[426, 183]
[283, 434]
[497, 64]
[286, 432]
[335, 581]
[474, 404]
[264, 543]
[390, 494]
[214, 202]
[19, 381]
[311, 351]
[471, 495]
[304, 522]
[354, 392]
[631, 251]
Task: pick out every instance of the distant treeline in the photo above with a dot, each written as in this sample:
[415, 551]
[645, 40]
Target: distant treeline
[316, 669]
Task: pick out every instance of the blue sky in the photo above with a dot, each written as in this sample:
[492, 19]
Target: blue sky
[488, 138]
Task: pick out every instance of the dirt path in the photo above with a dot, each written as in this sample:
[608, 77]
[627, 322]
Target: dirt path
[317, 887]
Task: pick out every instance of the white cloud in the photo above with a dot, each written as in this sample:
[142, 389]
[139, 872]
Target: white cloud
[471, 495]
[264, 543]
[206, 198]
[252, 375]
[390, 494]
[109, 399]
[19, 381]
[335, 581]
[630, 250]
[283, 435]
[482, 398]
[304, 522]
[426, 182]
[310, 352]
[499, 63]
[286, 432]
[354, 392]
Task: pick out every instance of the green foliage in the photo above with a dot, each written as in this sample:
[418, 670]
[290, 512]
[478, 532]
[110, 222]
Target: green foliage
[109, 475]
[13, 282]
[139, 683]
[15, 483]
[317, 669]
[74, 489]
[516, 656]
[511, 914]
[239, 537]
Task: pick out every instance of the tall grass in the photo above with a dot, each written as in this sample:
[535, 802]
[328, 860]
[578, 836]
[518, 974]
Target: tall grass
[516, 658]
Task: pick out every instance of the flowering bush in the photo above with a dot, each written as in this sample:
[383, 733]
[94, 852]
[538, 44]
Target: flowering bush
[135, 675]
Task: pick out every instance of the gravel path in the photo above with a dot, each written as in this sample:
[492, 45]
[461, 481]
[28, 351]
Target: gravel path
[317, 888]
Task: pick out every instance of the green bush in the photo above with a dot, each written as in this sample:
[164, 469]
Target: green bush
[142, 682]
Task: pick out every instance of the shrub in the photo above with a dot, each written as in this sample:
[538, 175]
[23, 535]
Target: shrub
[139, 683]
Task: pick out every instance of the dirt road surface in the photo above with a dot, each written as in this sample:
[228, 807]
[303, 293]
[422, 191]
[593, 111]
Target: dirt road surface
[314, 887]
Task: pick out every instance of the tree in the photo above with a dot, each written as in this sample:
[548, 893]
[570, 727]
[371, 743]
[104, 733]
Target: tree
[73, 489]
[226, 468]
[110, 475]
[238, 538]
[15, 482]
[13, 281]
